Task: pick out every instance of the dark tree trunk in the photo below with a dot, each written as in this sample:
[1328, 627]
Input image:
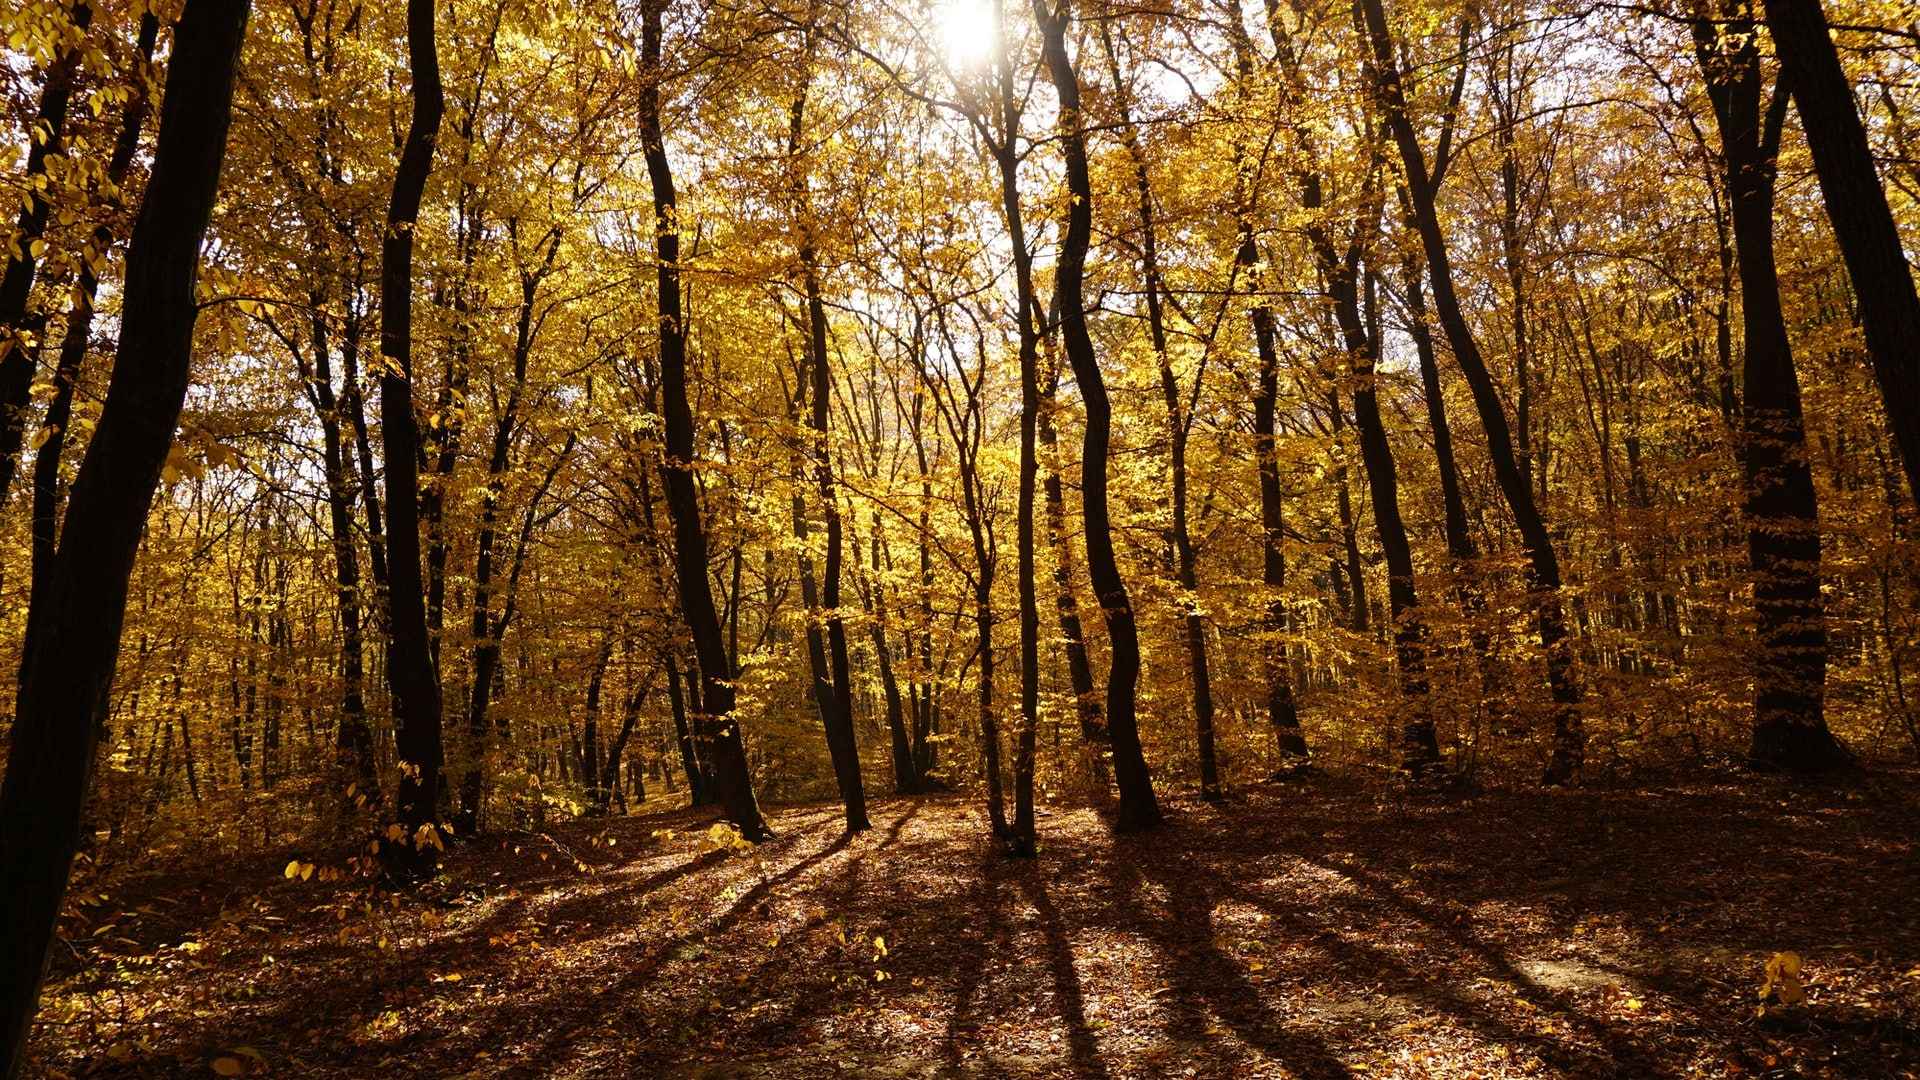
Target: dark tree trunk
[1179, 426]
[1073, 638]
[79, 333]
[1857, 205]
[1419, 750]
[1020, 838]
[832, 679]
[906, 774]
[593, 768]
[1282, 713]
[1460, 546]
[1782, 505]
[410, 670]
[611, 784]
[73, 641]
[17, 357]
[1138, 807]
[354, 745]
[1569, 736]
[697, 789]
[1353, 571]
[714, 723]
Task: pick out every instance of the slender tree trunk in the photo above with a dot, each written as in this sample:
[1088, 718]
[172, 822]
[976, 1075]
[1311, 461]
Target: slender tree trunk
[1569, 736]
[1021, 837]
[593, 772]
[354, 745]
[714, 723]
[1282, 713]
[697, 793]
[20, 330]
[1138, 807]
[832, 679]
[1073, 638]
[487, 630]
[1419, 749]
[906, 776]
[1179, 426]
[73, 641]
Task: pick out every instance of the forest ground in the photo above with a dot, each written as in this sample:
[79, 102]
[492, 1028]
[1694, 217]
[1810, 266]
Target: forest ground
[1322, 928]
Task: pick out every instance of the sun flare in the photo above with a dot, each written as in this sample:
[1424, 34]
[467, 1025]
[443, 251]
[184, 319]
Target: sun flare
[968, 31]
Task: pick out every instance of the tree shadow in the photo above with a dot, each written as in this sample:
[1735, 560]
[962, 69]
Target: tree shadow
[1206, 980]
[1070, 1003]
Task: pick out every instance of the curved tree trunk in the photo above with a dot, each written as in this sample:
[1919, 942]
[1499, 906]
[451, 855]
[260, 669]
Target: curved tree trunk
[1138, 807]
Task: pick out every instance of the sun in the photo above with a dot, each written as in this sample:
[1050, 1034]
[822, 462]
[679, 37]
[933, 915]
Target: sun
[968, 31]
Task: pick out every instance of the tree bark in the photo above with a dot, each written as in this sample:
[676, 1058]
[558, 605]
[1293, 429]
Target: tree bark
[1138, 807]
[73, 639]
[1862, 221]
[1782, 504]
[715, 724]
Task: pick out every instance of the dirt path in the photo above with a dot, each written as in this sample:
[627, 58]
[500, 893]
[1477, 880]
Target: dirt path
[1318, 931]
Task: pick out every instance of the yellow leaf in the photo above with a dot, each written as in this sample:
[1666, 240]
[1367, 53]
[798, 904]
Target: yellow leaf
[1783, 980]
[293, 869]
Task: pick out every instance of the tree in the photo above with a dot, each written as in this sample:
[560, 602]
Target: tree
[1857, 206]
[1782, 506]
[1138, 807]
[410, 666]
[73, 638]
[1569, 737]
[716, 727]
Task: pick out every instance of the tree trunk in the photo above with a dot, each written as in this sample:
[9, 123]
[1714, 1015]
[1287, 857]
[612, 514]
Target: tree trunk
[697, 789]
[73, 642]
[1138, 807]
[1419, 750]
[79, 332]
[19, 331]
[1569, 736]
[715, 723]
[1179, 426]
[832, 679]
[1857, 205]
[410, 670]
[1782, 504]
[355, 742]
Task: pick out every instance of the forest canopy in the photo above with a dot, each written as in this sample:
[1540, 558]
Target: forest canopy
[423, 421]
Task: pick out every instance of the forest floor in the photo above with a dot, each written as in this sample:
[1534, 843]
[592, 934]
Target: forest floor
[1312, 929]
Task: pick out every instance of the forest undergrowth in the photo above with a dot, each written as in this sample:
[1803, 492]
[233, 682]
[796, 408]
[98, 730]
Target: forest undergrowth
[1315, 928]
